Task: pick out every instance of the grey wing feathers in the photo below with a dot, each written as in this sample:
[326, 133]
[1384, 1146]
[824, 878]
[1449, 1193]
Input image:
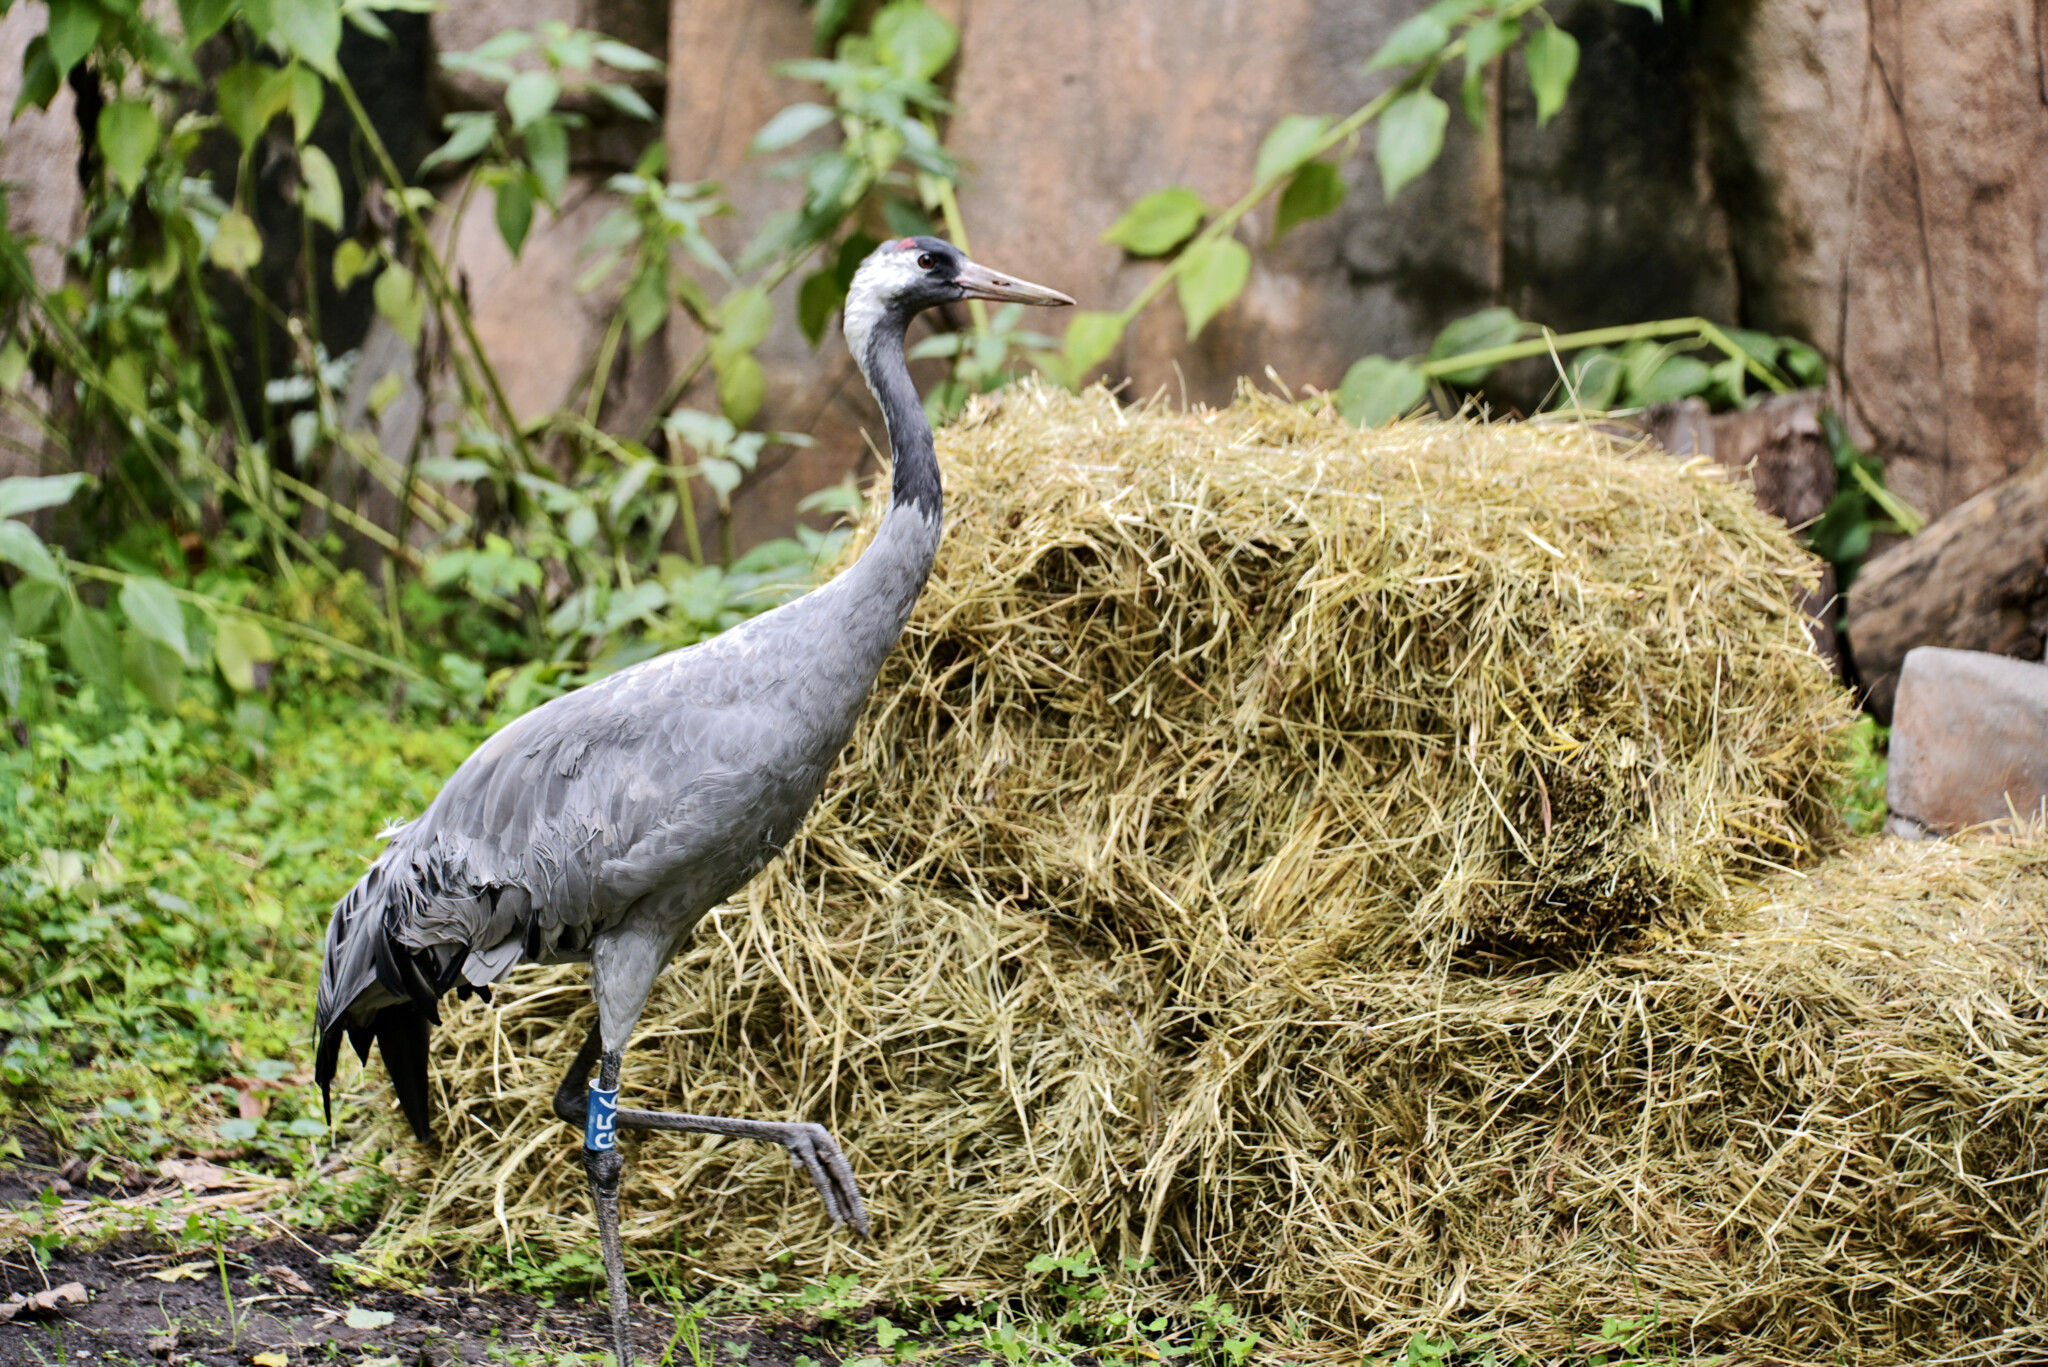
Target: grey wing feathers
[674, 780]
[551, 828]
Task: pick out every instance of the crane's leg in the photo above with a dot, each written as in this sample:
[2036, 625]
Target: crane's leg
[605, 1169]
[811, 1147]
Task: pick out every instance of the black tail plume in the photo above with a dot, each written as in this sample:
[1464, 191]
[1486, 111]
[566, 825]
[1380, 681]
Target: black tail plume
[401, 1033]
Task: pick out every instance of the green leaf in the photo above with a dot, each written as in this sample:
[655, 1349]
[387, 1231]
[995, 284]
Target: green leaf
[829, 21]
[237, 246]
[744, 320]
[1596, 378]
[1488, 39]
[34, 600]
[1760, 345]
[722, 475]
[128, 382]
[40, 79]
[152, 609]
[742, 388]
[74, 28]
[92, 650]
[1804, 364]
[1655, 7]
[1090, 338]
[1481, 331]
[1376, 390]
[646, 303]
[1472, 98]
[23, 549]
[239, 645]
[790, 125]
[1553, 59]
[311, 30]
[912, 39]
[1292, 141]
[305, 93]
[351, 259]
[816, 300]
[1411, 134]
[1317, 189]
[468, 134]
[530, 95]
[127, 136]
[904, 219]
[201, 19]
[626, 100]
[399, 299]
[319, 187]
[514, 209]
[27, 493]
[250, 95]
[13, 365]
[1158, 223]
[1416, 40]
[1212, 274]
[155, 669]
[1680, 377]
[625, 57]
[547, 148]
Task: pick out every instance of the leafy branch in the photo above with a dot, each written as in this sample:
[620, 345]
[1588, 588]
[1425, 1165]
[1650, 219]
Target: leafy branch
[1211, 267]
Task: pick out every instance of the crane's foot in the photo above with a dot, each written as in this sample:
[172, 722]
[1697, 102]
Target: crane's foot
[811, 1148]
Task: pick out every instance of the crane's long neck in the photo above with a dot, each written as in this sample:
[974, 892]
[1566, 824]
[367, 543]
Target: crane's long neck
[867, 605]
[915, 482]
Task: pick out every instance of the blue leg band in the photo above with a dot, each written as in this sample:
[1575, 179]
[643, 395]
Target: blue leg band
[601, 1121]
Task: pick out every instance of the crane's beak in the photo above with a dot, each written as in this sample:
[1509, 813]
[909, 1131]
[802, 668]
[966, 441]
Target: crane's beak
[979, 282]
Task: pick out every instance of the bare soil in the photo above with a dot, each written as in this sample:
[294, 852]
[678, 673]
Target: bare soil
[289, 1299]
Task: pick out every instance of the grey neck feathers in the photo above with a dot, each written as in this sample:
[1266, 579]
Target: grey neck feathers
[866, 607]
[916, 477]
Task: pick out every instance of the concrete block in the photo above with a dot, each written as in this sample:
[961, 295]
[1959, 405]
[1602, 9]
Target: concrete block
[1969, 739]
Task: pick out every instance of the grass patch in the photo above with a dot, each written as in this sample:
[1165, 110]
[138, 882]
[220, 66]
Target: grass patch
[164, 885]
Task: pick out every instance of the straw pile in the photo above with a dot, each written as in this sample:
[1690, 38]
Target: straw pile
[1314, 859]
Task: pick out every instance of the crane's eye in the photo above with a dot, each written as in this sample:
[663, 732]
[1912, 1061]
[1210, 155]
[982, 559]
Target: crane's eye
[924, 261]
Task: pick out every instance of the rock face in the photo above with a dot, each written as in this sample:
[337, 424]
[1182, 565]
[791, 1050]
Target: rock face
[39, 165]
[1068, 113]
[1882, 165]
[1975, 579]
[1969, 740]
[541, 333]
[1778, 443]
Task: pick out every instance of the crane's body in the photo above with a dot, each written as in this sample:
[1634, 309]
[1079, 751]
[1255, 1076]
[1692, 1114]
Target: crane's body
[604, 824]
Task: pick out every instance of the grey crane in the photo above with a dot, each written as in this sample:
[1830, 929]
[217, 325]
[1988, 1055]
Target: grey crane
[603, 825]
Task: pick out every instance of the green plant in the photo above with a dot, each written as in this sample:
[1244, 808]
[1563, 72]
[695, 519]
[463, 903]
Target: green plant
[1861, 508]
[1863, 800]
[1300, 161]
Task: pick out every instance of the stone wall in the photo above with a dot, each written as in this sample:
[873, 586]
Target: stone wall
[1866, 174]
[1882, 162]
[1068, 112]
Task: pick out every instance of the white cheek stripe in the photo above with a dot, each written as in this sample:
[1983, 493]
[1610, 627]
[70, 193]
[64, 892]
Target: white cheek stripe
[882, 275]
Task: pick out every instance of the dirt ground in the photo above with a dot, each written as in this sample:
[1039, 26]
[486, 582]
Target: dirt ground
[289, 1300]
[149, 1302]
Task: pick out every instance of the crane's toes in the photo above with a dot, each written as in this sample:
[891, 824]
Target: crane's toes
[813, 1148]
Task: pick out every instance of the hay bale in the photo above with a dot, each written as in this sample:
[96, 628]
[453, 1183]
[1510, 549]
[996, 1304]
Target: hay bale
[1212, 878]
[1365, 694]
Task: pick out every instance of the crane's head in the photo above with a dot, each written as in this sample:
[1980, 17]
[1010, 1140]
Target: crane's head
[911, 274]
